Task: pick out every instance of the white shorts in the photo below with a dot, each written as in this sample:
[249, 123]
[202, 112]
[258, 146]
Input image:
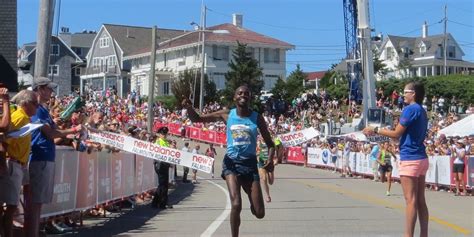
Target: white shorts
[42, 181]
[11, 183]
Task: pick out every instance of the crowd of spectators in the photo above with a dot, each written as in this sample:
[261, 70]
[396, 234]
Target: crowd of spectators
[106, 111]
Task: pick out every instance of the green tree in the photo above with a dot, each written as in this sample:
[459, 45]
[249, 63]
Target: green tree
[244, 69]
[280, 90]
[403, 66]
[188, 80]
[380, 68]
[294, 84]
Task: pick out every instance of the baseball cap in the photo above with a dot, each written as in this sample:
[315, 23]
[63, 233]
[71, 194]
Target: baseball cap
[43, 81]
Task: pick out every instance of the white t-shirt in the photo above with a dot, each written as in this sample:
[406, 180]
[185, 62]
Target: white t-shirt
[459, 159]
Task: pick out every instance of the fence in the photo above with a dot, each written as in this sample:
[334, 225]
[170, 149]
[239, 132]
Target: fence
[439, 172]
[195, 133]
[83, 180]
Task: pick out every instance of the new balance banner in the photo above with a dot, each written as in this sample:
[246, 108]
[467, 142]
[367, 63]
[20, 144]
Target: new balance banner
[298, 137]
[151, 150]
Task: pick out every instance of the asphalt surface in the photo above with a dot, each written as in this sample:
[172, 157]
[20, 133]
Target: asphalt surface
[305, 202]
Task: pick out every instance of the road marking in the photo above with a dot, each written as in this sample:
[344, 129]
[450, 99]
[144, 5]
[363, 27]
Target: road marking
[381, 202]
[221, 218]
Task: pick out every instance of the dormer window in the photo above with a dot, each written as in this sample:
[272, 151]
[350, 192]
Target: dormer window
[104, 42]
[422, 48]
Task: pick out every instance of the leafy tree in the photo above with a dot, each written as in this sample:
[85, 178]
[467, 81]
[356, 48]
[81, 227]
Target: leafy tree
[280, 90]
[380, 68]
[244, 69]
[403, 66]
[188, 80]
[294, 83]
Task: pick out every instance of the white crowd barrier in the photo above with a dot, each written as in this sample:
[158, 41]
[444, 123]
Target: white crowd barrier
[83, 180]
[439, 171]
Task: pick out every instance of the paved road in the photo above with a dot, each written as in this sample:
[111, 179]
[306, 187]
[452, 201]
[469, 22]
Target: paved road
[306, 202]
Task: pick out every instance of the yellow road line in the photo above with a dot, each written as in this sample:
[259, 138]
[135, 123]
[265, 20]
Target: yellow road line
[380, 202]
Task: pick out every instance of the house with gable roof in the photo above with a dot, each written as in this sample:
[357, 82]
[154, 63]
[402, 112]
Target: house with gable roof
[422, 56]
[182, 53]
[106, 64]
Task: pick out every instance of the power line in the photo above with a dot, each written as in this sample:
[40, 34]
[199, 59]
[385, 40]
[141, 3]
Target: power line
[462, 24]
[276, 26]
[420, 28]
[321, 46]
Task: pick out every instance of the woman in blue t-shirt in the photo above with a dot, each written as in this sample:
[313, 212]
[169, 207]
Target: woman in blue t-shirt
[239, 167]
[413, 159]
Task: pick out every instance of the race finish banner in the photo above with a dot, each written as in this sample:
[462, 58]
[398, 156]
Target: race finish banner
[298, 137]
[153, 151]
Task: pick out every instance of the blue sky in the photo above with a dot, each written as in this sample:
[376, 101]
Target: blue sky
[315, 27]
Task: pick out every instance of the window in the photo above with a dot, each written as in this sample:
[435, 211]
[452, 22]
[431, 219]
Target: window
[166, 88]
[78, 51]
[422, 49]
[197, 54]
[111, 61]
[54, 50]
[104, 42]
[53, 70]
[181, 57]
[96, 62]
[220, 53]
[451, 51]
[77, 71]
[271, 55]
[388, 52]
[251, 51]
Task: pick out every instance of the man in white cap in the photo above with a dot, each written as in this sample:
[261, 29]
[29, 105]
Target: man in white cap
[42, 156]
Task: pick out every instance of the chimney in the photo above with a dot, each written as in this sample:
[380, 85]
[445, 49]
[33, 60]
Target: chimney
[424, 30]
[237, 20]
[65, 35]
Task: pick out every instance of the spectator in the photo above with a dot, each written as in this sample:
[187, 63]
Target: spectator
[39, 191]
[160, 199]
[211, 152]
[194, 175]
[185, 169]
[459, 154]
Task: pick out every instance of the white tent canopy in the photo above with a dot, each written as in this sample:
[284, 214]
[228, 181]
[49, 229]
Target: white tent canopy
[463, 127]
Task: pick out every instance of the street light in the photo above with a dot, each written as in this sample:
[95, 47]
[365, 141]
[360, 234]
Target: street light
[202, 30]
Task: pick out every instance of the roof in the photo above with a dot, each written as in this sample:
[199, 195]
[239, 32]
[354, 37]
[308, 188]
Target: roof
[234, 34]
[432, 44]
[82, 40]
[136, 39]
[53, 37]
[312, 76]
[242, 35]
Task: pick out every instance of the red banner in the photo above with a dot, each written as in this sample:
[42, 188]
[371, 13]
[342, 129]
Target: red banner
[87, 181]
[221, 138]
[295, 155]
[194, 133]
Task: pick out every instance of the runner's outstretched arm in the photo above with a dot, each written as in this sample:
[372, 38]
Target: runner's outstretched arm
[220, 115]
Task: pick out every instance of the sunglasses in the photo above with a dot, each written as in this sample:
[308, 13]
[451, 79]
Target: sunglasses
[408, 91]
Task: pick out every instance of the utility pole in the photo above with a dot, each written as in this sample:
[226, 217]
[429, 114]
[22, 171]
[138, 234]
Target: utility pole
[43, 41]
[366, 56]
[151, 82]
[203, 58]
[445, 46]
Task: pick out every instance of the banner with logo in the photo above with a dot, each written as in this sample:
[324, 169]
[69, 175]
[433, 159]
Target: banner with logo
[87, 181]
[65, 182]
[151, 150]
[298, 137]
[104, 189]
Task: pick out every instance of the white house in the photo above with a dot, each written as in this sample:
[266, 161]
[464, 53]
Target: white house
[422, 56]
[182, 53]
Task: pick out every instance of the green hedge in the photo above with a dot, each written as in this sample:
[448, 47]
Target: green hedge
[461, 86]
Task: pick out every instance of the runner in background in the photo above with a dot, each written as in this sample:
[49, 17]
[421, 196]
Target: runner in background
[265, 169]
[239, 167]
[385, 160]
